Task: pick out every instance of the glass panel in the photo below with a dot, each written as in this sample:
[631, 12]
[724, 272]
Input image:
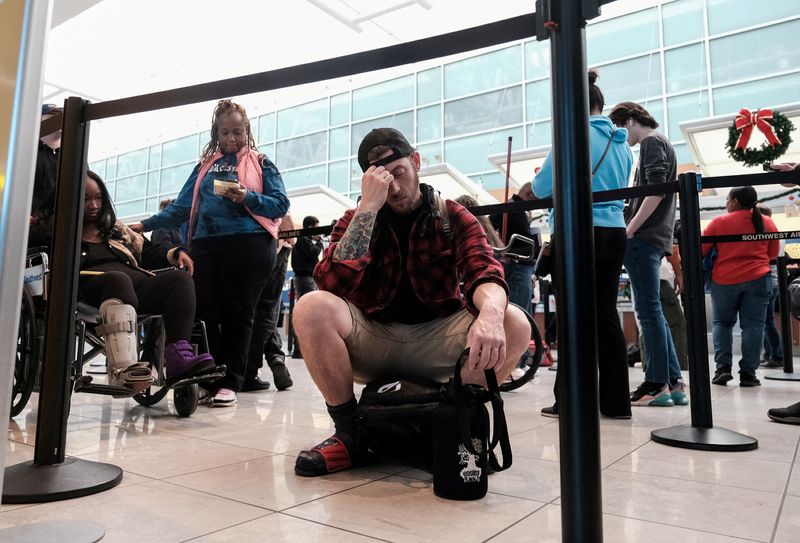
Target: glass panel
[339, 138]
[540, 134]
[537, 100]
[682, 154]
[301, 151]
[152, 205]
[655, 106]
[631, 80]
[112, 188]
[181, 150]
[486, 71]
[305, 177]
[622, 36]
[269, 150]
[153, 181]
[205, 138]
[430, 154]
[537, 59]
[155, 157]
[111, 168]
[490, 181]
[266, 128]
[757, 94]
[355, 173]
[99, 167]
[758, 52]
[339, 176]
[173, 179]
[132, 162]
[483, 112]
[404, 122]
[685, 108]
[129, 188]
[129, 209]
[429, 123]
[429, 86]
[470, 154]
[382, 98]
[724, 15]
[303, 119]
[683, 21]
[686, 68]
[340, 109]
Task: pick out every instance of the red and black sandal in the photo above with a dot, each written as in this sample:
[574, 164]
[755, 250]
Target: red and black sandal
[332, 455]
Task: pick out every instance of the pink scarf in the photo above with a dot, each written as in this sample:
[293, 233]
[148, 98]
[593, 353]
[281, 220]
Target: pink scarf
[249, 172]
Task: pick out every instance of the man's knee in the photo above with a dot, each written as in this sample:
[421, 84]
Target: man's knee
[321, 309]
[518, 330]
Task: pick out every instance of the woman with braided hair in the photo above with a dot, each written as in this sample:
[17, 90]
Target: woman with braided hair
[740, 284]
[233, 201]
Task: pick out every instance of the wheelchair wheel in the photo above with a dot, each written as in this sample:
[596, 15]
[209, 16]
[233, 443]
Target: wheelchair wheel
[27, 360]
[186, 398]
[151, 396]
[529, 361]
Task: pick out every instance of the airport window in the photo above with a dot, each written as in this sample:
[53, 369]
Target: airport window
[429, 123]
[340, 109]
[470, 154]
[300, 151]
[429, 86]
[266, 128]
[269, 150]
[483, 112]
[686, 68]
[537, 59]
[768, 50]
[685, 108]
[339, 146]
[682, 154]
[155, 157]
[430, 154]
[757, 94]
[339, 176]
[99, 167]
[383, 98]
[132, 163]
[180, 150]
[726, 15]
[683, 21]
[303, 119]
[153, 183]
[129, 209]
[622, 36]
[173, 178]
[483, 72]
[490, 180]
[315, 175]
[632, 79]
[540, 134]
[111, 168]
[151, 206]
[404, 122]
[537, 100]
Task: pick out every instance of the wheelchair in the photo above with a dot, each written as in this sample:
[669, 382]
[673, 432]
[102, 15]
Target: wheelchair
[150, 339]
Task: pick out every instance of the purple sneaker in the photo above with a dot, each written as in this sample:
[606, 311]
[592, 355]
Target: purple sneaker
[181, 362]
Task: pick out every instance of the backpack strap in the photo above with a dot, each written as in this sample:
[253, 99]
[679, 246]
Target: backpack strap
[441, 212]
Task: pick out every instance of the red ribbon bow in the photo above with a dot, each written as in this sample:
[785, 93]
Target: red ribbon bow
[745, 121]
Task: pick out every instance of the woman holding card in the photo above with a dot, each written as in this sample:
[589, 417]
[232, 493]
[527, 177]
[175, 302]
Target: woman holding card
[233, 201]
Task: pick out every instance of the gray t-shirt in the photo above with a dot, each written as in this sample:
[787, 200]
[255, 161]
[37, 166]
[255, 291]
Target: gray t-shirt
[657, 164]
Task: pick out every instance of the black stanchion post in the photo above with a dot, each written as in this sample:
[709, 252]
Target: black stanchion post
[290, 325]
[579, 428]
[49, 476]
[701, 434]
[788, 373]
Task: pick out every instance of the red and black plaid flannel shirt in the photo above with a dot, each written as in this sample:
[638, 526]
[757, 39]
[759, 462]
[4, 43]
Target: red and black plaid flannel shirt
[437, 264]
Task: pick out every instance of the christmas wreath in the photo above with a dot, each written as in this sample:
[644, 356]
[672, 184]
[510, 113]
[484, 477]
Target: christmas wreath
[775, 127]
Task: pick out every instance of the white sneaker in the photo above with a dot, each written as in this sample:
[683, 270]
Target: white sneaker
[224, 397]
[517, 373]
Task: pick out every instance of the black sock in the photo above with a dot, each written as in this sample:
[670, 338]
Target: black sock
[344, 417]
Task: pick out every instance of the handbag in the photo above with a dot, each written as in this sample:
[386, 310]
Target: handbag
[463, 450]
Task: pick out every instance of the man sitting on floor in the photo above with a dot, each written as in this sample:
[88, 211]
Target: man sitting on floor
[390, 300]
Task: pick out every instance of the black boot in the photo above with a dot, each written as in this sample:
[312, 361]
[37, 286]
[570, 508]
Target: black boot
[280, 373]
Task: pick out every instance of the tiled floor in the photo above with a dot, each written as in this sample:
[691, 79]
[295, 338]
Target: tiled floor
[226, 475]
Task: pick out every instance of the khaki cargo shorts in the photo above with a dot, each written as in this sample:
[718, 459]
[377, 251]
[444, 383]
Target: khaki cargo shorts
[429, 350]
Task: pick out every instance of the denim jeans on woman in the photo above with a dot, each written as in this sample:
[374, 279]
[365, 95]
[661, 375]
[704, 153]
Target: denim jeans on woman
[520, 288]
[642, 262]
[749, 301]
[773, 344]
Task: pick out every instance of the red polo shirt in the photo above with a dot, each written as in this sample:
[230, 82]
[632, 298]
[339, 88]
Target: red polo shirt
[740, 261]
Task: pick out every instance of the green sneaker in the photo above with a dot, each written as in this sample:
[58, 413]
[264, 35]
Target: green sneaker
[652, 395]
[678, 392]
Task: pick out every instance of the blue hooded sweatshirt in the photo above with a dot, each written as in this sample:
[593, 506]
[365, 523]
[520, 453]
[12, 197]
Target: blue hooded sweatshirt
[613, 173]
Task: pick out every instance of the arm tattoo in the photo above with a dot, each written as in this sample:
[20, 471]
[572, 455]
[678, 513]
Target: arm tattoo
[355, 241]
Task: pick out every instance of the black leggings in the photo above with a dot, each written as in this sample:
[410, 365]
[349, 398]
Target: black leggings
[170, 294]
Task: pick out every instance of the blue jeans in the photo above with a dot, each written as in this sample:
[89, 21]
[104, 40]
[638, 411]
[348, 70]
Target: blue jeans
[749, 300]
[773, 345]
[520, 289]
[642, 261]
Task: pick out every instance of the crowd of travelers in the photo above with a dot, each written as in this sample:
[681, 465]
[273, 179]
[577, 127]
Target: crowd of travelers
[408, 279]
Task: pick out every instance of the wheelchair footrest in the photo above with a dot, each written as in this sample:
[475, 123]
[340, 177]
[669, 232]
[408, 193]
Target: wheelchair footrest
[85, 385]
[213, 375]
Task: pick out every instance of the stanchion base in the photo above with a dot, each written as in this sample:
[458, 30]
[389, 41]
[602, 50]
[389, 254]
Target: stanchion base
[63, 531]
[782, 376]
[73, 478]
[704, 439]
